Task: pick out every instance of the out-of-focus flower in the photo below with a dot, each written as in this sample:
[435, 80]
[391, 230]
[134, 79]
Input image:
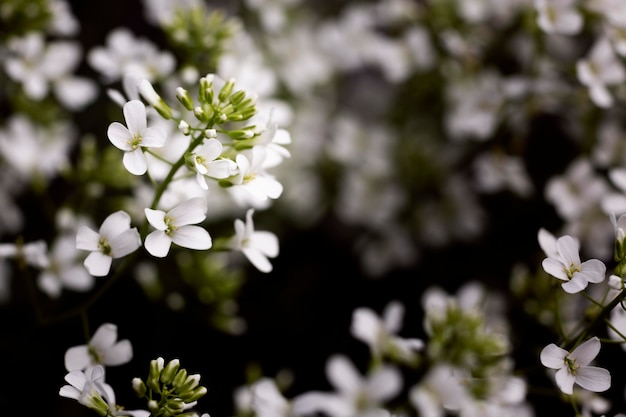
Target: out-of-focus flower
[258, 246]
[103, 349]
[600, 69]
[558, 16]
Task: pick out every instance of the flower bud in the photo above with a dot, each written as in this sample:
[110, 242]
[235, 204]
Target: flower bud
[139, 387]
[184, 127]
[185, 98]
[191, 382]
[169, 371]
[201, 114]
[179, 378]
[616, 282]
[194, 395]
[150, 95]
[227, 90]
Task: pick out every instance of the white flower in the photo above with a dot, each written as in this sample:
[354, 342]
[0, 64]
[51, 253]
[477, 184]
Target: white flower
[558, 16]
[135, 137]
[175, 226]
[206, 162]
[89, 389]
[574, 367]
[256, 245]
[64, 269]
[354, 395]
[599, 69]
[252, 176]
[115, 239]
[566, 266]
[102, 349]
[380, 332]
[33, 254]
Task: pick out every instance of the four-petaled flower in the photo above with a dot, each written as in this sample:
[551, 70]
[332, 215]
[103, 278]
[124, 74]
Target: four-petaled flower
[574, 367]
[102, 349]
[206, 162]
[256, 245]
[566, 265]
[115, 239]
[175, 226]
[135, 137]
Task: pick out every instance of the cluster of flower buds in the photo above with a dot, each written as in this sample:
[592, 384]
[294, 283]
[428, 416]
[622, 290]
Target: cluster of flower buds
[169, 389]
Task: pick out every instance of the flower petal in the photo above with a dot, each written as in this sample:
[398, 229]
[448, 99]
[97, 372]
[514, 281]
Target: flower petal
[87, 239]
[586, 352]
[342, 374]
[593, 378]
[125, 243]
[153, 137]
[119, 354]
[77, 358]
[257, 259]
[115, 224]
[384, 383]
[565, 380]
[553, 357]
[554, 267]
[119, 136]
[365, 326]
[77, 379]
[135, 162]
[158, 244]
[594, 270]
[568, 248]
[192, 237]
[191, 211]
[135, 115]
[156, 218]
[104, 337]
[98, 264]
[266, 242]
[575, 285]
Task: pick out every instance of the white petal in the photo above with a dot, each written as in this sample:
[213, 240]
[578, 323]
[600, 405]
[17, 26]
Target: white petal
[365, 326]
[75, 92]
[593, 378]
[565, 381]
[586, 352]
[192, 237]
[211, 149]
[115, 224]
[156, 218]
[87, 239]
[104, 337]
[266, 242]
[153, 137]
[119, 136]
[125, 243]
[98, 264]
[600, 96]
[343, 375]
[555, 268]
[77, 358]
[257, 259]
[77, 379]
[392, 316]
[575, 285]
[120, 353]
[135, 162]
[547, 242]
[158, 244]
[68, 391]
[191, 211]
[135, 115]
[568, 248]
[76, 278]
[384, 383]
[593, 270]
[553, 357]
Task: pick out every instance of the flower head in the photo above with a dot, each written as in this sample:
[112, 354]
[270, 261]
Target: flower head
[566, 266]
[135, 137]
[115, 239]
[574, 367]
[256, 245]
[175, 226]
[102, 349]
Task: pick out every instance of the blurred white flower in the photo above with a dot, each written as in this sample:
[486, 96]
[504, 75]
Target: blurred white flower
[103, 349]
[600, 69]
[34, 253]
[253, 177]
[558, 16]
[256, 245]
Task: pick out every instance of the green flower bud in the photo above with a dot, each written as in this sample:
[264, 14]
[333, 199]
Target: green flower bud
[156, 366]
[210, 133]
[179, 378]
[201, 114]
[241, 133]
[139, 387]
[237, 97]
[184, 127]
[185, 98]
[169, 371]
[194, 395]
[227, 90]
[205, 85]
[153, 98]
[190, 383]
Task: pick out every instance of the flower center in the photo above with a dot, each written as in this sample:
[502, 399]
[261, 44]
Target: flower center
[572, 368]
[171, 228]
[104, 246]
[95, 355]
[135, 142]
[573, 268]
[249, 177]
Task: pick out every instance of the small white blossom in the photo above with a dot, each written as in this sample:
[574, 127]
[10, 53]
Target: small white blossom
[102, 349]
[600, 69]
[256, 245]
[135, 137]
[34, 253]
[207, 162]
[566, 266]
[558, 16]
[115, 239]
[176, 226]
[252, 176]
[89, 389]
[574, 367]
